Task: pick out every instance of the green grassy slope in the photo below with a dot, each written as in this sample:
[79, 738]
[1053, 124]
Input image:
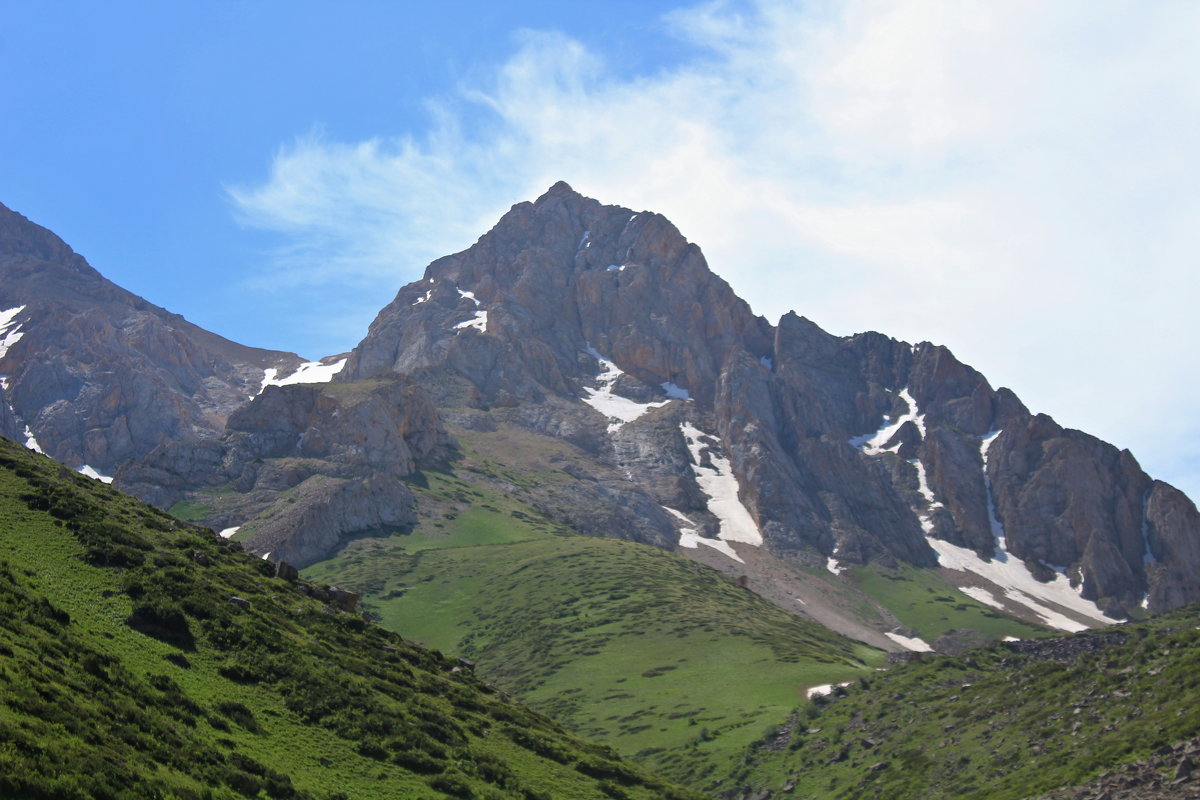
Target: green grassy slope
[1007, 721]
[127, 670]
[921, 600]
[657, 656]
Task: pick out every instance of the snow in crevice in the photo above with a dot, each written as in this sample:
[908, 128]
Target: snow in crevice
[931, 502]
[1012, 578]
[10, 329]
[31, 442]
[873, 443]
[993, 521]
[913, 643]
[423, 298]
[308, 372]
[583, 240]
[478, 321]
[92, 473]
[689, 536]
[833, 566]
[618, 409]
[615, 267]
[632, 218]
[767, 362]
[229, 532]
[720, 486]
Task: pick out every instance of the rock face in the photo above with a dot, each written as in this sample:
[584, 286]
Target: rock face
[697, 424]
[303, 466]
[835, 449]
[8, 422]
[99, 375]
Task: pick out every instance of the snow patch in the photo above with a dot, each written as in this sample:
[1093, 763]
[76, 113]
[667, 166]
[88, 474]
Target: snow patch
[308, 372]
[31, 442]
[229, 532]
[583, 240]
[767, 362]
[619, 410]
[931, 502]
[478, 322]
[873, 443]
[833, 566]
[1010, 639]
[689, 536]
[721, 486]
[615, 268]
[1146, 601]
[428, 294]
[1019, 586]
[993, 520]
[913, 643]
[10, 329]
[266, 556]
[823, 689]
[91, 473]
[674, 391]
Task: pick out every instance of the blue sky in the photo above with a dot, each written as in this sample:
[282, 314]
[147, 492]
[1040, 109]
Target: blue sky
[1019, 181]
[123, 124]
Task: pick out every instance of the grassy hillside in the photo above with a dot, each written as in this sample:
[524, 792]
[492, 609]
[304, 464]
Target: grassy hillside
[659, 657]
[1010, 720]
[143, 657]
[925, 603]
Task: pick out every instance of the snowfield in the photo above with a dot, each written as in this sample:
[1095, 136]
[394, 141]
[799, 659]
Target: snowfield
[308, 372]
[10, 329]
[619, 410]
[720, 486]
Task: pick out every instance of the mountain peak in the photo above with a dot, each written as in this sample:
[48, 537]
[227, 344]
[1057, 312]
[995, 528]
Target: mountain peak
[560, 187]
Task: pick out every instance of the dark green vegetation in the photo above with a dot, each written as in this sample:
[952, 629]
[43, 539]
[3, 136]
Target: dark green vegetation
[142, 657]
[1010, 720]
[659, 657]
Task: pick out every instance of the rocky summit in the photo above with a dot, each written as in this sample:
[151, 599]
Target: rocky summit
[606, 328]
[96, 376]
[778, 453]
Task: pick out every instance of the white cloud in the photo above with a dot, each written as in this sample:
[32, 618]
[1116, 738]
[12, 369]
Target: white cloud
[1016, 180]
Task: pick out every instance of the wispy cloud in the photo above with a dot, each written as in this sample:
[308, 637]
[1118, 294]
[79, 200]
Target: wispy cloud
[1017, 180]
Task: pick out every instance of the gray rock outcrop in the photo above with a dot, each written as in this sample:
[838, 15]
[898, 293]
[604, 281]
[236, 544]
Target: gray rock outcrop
[100, 375]
[303, 466]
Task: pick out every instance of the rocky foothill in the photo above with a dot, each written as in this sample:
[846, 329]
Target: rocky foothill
[1172, 773]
